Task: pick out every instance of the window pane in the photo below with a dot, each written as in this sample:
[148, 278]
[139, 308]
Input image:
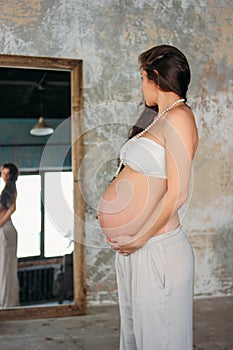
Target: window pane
[58, 204]
[27, 217]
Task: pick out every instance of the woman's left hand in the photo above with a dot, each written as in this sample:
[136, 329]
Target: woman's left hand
[124, 244]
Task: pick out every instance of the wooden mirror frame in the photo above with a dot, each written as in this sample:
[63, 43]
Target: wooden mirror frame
[79, 265]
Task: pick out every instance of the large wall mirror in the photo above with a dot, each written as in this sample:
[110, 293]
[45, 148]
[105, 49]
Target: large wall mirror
[50, 210]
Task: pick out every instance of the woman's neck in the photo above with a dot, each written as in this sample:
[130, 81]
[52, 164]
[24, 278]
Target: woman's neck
[166, 99]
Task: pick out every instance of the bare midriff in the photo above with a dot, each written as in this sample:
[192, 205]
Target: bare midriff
[128, 201]
[2, 213]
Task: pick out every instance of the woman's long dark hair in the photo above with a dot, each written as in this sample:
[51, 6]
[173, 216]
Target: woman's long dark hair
[169, 69]
[9, 192]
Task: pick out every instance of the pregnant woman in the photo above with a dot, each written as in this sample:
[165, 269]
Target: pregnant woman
[138, 212]
[9, 289]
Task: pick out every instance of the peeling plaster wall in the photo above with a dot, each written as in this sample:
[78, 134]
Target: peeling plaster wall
[109, 35]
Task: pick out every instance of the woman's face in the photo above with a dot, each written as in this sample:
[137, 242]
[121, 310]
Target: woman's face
[149, 89]
[5, 174]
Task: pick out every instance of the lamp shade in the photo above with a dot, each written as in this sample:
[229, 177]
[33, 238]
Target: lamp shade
[41, 129]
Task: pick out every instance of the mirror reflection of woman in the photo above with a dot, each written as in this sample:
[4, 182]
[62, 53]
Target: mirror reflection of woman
[9, 288]
[138, 211]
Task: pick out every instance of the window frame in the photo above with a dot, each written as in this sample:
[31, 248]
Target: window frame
[42, 256]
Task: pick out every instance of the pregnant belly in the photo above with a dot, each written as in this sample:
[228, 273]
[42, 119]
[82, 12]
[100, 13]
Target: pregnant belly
[128, 202]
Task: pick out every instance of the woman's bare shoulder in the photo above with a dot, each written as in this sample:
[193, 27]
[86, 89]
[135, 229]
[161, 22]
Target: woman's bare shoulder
[181, 113]
[181, 120]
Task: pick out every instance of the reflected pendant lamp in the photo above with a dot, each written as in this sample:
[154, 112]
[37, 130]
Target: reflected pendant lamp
[41, 129]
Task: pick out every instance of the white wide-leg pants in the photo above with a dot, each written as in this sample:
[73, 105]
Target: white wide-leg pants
[155, 288]
[9, 287]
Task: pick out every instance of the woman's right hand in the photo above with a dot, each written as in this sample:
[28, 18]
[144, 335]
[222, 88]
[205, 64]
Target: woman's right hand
[126, 244]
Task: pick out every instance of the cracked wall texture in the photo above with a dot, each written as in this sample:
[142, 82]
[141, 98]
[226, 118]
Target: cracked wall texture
[109, 35]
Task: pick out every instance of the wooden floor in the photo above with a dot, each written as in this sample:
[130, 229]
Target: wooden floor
[99, 330]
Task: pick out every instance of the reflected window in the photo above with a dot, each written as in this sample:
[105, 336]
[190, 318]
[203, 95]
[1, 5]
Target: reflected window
[58, 204]
[27, 217]
[44, 214]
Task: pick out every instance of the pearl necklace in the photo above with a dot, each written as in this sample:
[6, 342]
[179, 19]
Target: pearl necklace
[156, 119]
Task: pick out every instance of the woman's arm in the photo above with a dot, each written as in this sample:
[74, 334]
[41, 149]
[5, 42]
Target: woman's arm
[180, 135]
[7, 214]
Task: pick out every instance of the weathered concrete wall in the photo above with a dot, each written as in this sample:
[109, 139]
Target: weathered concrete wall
[109, 35]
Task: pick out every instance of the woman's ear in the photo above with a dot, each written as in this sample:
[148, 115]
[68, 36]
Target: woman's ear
[157, 76]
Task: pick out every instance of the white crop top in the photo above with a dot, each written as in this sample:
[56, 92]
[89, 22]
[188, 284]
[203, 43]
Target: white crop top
[145, 156]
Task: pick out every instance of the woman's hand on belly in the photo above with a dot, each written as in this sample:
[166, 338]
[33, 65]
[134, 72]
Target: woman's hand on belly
[126, 243]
